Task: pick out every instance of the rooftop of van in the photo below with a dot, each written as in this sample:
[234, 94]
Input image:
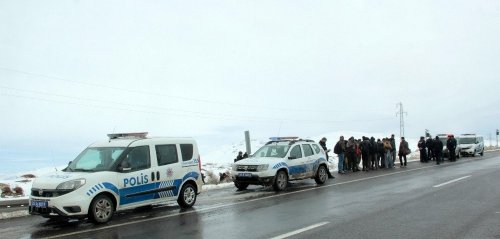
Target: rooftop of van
[125, 139]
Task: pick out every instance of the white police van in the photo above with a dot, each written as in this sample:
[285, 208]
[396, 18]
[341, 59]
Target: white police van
[472, 144]
[280, 160]
[127, 171]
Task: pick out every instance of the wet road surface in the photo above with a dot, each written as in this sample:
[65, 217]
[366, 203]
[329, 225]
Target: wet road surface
[453, 200]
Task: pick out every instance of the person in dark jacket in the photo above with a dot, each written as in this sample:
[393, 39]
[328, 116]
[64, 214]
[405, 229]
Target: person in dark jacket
[339, 149]
[393, 150]
[438, 150]
[365, 153]
[451, 145]
[239, 157]
[322, 143]
[380, 154]
[423, 150]
[351, 154]
[373, 153]
[430, 146]
[403, 151]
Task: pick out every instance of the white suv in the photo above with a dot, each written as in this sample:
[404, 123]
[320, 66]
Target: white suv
[124, 172]
[279, 161]
[471, 144]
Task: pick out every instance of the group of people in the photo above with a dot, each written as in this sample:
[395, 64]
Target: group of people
[240, 156]
[372, 154]
[432, 149]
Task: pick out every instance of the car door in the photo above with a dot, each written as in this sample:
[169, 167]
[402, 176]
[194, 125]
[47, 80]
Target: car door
[135, 187]
[309, 160]
[170, 171]
[295, 162]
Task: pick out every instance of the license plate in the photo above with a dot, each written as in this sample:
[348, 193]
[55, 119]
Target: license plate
[245, 175]
[40, 204]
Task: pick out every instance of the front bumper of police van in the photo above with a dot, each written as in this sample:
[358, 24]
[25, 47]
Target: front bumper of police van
[67, 205]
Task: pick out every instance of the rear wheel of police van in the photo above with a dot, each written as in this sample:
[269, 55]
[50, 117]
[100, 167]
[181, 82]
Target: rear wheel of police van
[321, 175]
[101, 209]
[187, 196]
[280, 181]
[240, 186]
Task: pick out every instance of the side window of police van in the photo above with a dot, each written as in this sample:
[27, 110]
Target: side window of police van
[166, 154]
[296, 152]
[316, 148]
[187, 152]
[138, 158]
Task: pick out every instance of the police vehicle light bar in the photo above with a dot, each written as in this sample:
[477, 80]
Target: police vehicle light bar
[283, 138]
[141, 135]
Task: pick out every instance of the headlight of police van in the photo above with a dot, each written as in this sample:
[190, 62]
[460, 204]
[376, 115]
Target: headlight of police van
[235, 167]
[262, 167]
[71, 185]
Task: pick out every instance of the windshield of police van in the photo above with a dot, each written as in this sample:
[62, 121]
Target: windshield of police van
[95, 159]
[275, 151]
[467, 140]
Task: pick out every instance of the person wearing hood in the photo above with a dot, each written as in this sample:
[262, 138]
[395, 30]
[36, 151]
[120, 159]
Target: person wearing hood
[451, 145]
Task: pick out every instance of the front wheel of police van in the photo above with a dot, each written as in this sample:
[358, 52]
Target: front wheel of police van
[101, 209]
[321, 175]
[187, 196]
[240, 185]
[280, 181]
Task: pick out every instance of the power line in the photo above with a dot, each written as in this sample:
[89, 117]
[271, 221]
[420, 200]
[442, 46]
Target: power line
[195, 114]
[205, 101]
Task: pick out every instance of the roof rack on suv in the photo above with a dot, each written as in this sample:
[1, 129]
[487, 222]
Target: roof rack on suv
[140, 135]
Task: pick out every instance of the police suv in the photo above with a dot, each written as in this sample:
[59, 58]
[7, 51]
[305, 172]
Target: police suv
[129, 170]
[280, 160]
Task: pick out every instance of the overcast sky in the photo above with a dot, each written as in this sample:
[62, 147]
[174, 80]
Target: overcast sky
[73, 71]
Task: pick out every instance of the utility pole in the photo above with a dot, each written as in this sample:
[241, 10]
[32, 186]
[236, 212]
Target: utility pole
[401, 119]
[497, 138]
[247, 142]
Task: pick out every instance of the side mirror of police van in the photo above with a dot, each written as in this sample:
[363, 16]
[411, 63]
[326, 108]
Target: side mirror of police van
[292, 157]
[124, 167]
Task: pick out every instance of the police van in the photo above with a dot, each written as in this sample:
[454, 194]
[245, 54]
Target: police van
[280, 160]
[126, 171]
[472, 144]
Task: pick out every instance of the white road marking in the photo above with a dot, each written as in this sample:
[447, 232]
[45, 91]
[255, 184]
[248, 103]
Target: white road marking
[300, 230]
[233, 204]
[452, 181]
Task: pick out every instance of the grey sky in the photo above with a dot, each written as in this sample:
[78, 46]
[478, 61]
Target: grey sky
[73, 71]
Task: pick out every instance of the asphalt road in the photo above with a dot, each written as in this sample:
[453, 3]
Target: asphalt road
[452, 200]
